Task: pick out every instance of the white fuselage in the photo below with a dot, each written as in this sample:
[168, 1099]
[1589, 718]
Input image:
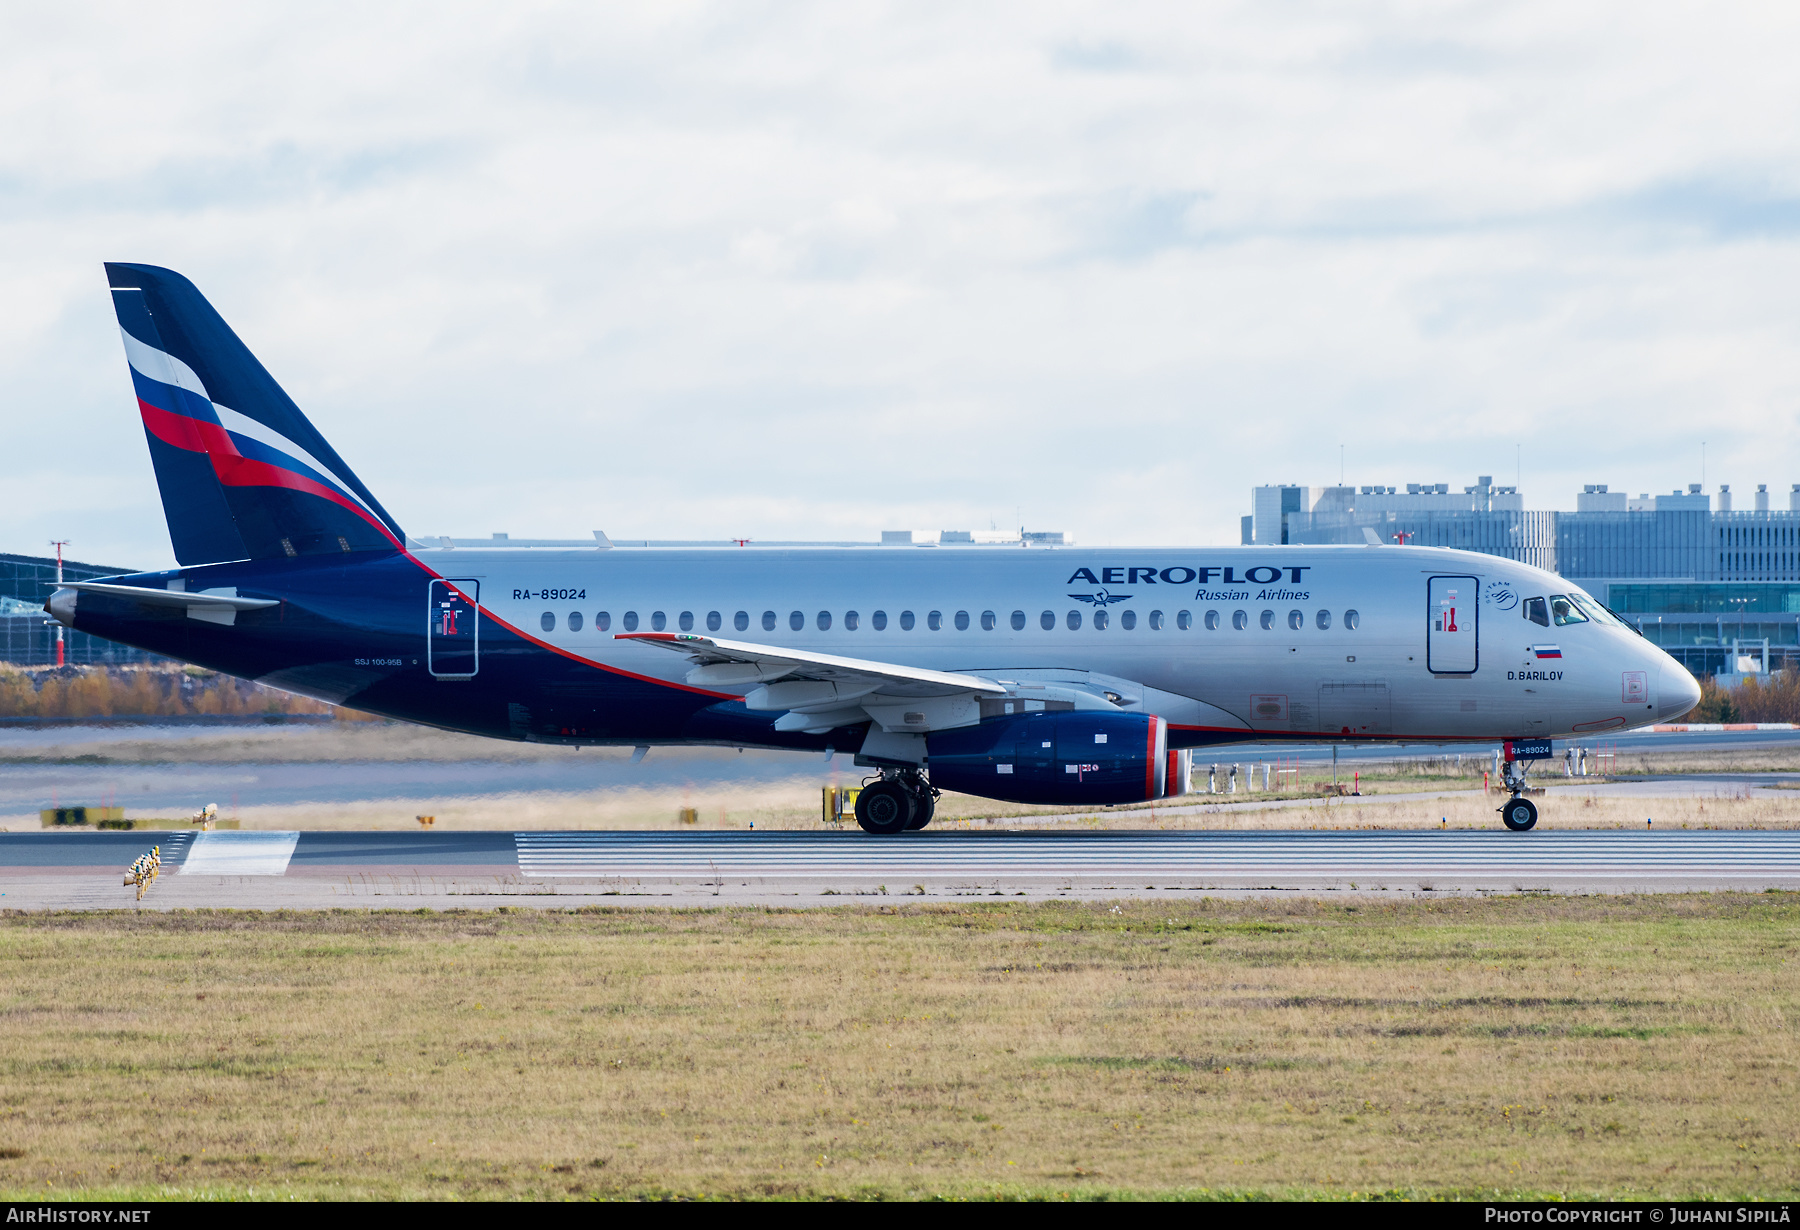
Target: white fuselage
[1256, 642]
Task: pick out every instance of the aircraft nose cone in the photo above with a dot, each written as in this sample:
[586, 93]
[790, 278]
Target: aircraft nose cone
[1677, 692]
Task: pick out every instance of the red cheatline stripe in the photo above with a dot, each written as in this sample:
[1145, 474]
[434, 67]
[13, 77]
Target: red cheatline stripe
[210, 438]
[236, 470]
[183, 432]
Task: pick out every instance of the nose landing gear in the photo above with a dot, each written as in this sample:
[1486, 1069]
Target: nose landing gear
[900, 801]
[1518, 813]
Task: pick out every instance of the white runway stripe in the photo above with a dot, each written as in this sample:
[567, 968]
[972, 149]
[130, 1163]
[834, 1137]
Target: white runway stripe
[225, 853]
[1594, 855]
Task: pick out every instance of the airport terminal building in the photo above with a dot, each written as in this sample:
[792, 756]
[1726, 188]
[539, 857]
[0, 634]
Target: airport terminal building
[1717, 587]
[28, 638]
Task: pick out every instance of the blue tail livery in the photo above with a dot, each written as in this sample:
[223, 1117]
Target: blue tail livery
[243, 474]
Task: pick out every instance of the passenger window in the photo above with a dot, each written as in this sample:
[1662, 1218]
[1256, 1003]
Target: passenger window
[1323, 619]
[1212, 621]
[574, 621]
[1562, 611]
[1047, 620]
[1156, 621]
[1352, 621]
[1267, 620]
[686, 621]
[1537, 611]
[1128, 620]
[1296, 620]
[1185, 620]
[658, 621]
[603, 621]
[906, 621]
[851, 621]
[713, 621]
[741, 621]
[1100, 620]
[824, 621]
[935, 621]
[988, 622]
[796, 620]
[1240, 620]
[962, 621]
[1018, 621]
[547, 621]
[1074, 620]
[879, 619]
[631, 621]
[768, 621]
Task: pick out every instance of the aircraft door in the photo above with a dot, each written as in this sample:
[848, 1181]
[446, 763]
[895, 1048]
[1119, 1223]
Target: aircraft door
[1451, 640]
[453, 629]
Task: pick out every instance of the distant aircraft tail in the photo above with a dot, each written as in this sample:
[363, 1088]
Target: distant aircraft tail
[243, 474]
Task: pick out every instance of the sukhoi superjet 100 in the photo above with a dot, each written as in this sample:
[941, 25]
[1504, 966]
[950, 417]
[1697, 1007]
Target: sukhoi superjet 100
[1073, 676]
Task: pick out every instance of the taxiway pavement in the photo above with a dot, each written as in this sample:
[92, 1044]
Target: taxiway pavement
[275, 870]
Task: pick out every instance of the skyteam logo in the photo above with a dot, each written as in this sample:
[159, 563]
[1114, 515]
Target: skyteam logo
[1100, 597]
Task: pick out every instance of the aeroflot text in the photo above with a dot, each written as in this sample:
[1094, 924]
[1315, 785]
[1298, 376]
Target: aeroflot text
[1261, 575]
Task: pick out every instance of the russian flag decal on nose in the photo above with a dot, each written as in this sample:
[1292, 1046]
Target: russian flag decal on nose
[1546, 651]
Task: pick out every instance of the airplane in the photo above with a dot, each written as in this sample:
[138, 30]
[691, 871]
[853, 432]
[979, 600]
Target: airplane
[1077, 677]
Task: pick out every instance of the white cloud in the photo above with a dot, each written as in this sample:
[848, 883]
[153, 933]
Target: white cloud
[809, 271]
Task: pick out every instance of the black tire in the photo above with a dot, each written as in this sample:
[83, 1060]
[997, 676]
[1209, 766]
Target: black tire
[1519, 815]
[884, 808]
[923, 806]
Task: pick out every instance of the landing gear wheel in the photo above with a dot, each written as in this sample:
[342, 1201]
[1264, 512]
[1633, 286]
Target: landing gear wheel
[1519, 814]
[884, 808]
[923, 806]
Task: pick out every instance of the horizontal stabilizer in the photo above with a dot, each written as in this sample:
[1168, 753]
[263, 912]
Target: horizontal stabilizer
[173, 597]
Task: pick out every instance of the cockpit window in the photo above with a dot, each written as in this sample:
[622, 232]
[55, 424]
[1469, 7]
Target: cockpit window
[1537, 611]
[1593, 610]
[1564, 611]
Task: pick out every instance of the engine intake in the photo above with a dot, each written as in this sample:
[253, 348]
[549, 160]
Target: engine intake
[1074, 758]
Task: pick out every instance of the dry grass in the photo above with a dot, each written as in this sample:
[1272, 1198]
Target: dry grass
[794, 804]
[163, 690]
[1619, 1047]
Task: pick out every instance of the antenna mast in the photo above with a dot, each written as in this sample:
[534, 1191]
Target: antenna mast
[59, 544]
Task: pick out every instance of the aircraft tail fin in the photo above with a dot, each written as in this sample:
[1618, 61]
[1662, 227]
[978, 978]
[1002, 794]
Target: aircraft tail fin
[243, 474]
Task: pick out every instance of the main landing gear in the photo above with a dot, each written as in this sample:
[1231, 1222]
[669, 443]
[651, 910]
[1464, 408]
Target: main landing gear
[1518, 813]
[901, 800]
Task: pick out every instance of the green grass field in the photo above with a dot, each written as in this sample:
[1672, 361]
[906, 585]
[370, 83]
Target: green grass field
[1623, 1047]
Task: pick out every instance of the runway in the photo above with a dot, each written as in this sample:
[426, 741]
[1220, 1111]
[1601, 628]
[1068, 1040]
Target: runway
[252, 869]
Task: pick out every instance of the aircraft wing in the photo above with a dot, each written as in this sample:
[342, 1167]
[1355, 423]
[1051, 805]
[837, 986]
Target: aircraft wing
[821, 691]
[722, 662]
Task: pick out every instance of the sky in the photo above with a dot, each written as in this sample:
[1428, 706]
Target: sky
[813, 271]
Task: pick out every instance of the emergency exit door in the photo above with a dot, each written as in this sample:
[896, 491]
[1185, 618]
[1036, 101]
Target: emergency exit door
[453, 629]
[1450, 635]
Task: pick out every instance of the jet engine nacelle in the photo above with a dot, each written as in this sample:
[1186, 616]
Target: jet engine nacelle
[1077, 758]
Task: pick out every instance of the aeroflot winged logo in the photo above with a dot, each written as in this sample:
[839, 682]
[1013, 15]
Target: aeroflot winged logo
[1100, 597]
